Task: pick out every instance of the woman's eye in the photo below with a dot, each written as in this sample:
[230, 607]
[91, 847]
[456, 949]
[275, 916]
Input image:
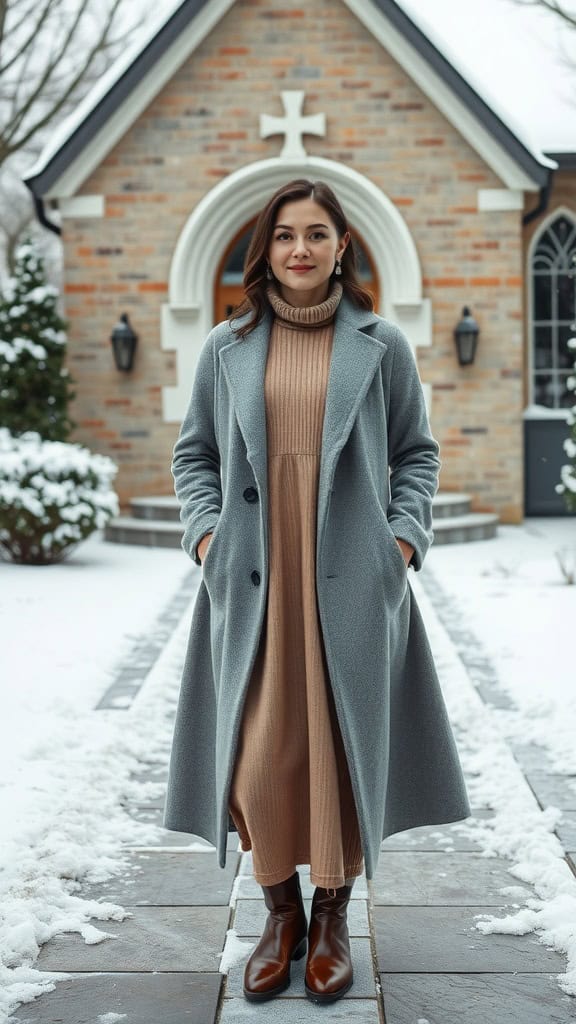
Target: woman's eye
[315, 234]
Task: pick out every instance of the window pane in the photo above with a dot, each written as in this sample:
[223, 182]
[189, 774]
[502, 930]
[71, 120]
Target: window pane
[234, 269]
[567, 398]
[566, 356]
[544, 389]
[363, 264]
[542, 297]
[542, 348]
[566, 287]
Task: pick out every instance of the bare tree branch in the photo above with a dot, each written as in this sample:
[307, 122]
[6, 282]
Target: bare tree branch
[553, 6]
[26, 45]
[22, 110]
[75, 41]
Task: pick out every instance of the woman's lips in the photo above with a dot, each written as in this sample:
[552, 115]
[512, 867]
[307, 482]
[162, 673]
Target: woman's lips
[300, 270]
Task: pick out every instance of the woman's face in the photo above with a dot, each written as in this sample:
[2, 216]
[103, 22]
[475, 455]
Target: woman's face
[303, 251]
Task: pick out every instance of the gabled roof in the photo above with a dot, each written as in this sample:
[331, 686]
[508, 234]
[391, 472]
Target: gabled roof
[108, 110]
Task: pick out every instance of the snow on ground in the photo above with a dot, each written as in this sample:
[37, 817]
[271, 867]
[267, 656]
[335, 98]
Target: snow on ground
[512, 596]
[67, 771]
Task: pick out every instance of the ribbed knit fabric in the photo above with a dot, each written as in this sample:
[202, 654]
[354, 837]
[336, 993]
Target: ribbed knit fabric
[291, 798]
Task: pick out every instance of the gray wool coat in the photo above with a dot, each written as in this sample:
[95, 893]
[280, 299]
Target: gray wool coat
[378, 474]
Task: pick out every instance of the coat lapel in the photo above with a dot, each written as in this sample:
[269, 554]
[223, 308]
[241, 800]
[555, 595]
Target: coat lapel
[244, 366]
[355, 358]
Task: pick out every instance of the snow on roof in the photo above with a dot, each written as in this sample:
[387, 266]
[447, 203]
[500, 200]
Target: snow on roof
[516, 56]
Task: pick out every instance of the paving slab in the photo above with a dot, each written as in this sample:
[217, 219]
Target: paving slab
[531, 756]
[169, 879]
[142, 998]
[554, 789]
[566, 830]
[154, 816]
[300, 1011]
[442, 940]
[422, 878]
[248, 887]
[476, 999]
[154, 939]
[251, 915]
[364, 984]
[438, 837]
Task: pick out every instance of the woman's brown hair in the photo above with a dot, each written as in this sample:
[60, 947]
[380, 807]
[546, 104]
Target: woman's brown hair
[255, 282]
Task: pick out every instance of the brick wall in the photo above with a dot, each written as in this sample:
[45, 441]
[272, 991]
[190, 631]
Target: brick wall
[205, 124]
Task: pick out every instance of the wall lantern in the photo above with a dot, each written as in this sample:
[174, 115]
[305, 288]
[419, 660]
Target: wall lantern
[466, 337]
[124, 341]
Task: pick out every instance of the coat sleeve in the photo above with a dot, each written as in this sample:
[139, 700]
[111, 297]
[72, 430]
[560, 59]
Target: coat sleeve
[196, 457]
[413, 454]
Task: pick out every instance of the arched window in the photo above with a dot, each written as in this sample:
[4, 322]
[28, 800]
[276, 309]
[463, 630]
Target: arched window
[553, 313]
[228, 285]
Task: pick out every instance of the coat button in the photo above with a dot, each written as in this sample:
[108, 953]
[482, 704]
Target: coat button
[251, 494]
[255, 577]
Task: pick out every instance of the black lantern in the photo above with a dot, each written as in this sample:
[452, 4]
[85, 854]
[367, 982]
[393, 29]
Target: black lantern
[124, 342]
[466, 337]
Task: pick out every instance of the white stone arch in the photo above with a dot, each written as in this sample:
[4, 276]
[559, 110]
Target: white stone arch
[188, 315]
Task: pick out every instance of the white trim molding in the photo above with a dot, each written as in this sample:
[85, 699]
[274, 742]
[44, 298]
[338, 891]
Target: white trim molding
[188, 315]
[499, 199]
[82, 206]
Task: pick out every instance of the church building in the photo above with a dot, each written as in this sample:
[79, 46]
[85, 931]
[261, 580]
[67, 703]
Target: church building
[157, 177]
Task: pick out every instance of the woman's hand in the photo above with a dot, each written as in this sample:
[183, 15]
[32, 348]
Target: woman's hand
[406, 549]
[204, 545]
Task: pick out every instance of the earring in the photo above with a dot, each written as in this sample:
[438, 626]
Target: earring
[338, 270]
[269, 274]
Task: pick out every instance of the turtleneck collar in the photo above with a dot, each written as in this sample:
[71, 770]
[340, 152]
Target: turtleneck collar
[297, 317]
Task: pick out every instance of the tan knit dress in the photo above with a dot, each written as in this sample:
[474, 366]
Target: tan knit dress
[291, 798]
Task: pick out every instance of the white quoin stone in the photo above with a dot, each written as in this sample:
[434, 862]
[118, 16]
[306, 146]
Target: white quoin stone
[293, 125]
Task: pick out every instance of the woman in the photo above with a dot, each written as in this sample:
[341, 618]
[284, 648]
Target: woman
[310, 715]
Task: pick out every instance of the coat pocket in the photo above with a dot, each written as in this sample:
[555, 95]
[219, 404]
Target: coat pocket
[397, 568]
[208, 557]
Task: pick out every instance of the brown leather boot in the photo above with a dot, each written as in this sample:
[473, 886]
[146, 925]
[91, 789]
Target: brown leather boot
[284, 939]
[329, 972]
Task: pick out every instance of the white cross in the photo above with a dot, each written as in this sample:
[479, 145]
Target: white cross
[293, 126]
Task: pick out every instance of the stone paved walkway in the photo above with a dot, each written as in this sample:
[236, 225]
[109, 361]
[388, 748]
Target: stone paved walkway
[418, 958]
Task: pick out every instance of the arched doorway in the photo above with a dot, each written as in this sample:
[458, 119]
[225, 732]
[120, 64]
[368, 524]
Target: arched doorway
[226, 211]
[228, 291]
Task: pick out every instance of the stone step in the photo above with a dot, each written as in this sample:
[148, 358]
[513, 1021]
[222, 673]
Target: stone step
[460, 529]
[450, 503]
[151, 533]
[156, 507]
[166, 533]
[445, 503]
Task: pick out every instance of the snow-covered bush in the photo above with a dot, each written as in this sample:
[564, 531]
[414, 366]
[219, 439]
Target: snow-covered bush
[52, 496]
[568, 472]
[34, 383]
